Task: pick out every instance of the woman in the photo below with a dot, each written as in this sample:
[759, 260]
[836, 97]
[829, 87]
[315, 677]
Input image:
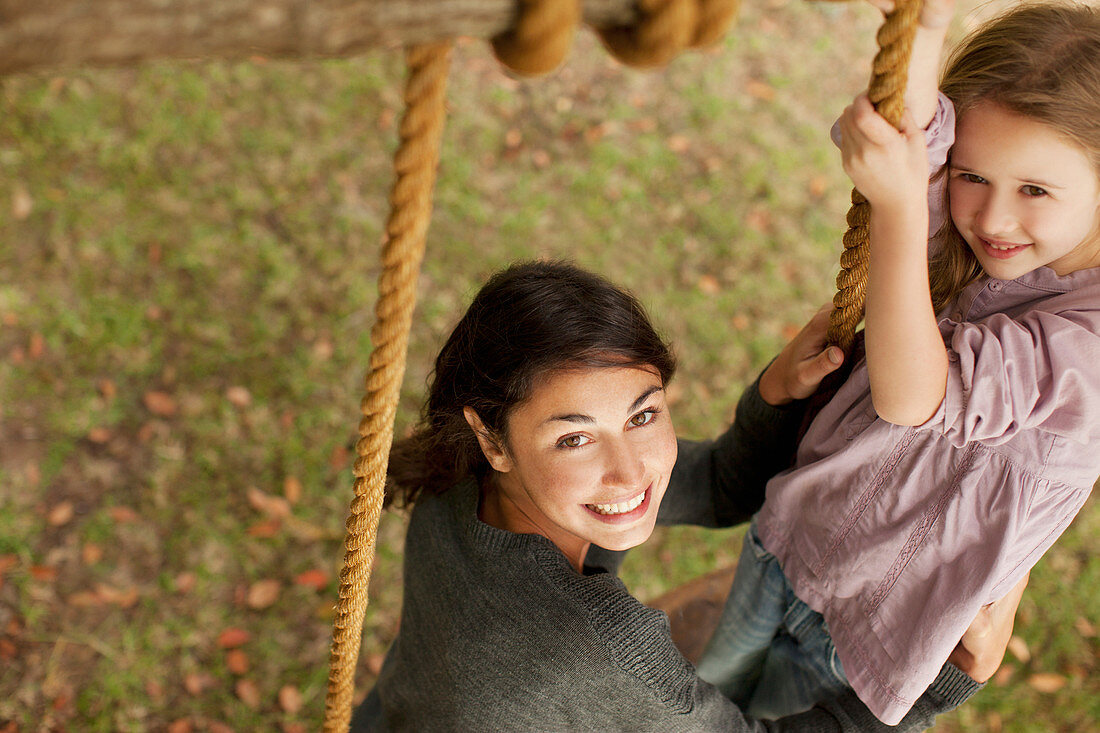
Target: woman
[546, 434]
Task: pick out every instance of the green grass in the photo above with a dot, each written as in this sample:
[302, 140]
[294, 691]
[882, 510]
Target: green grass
[201, 227]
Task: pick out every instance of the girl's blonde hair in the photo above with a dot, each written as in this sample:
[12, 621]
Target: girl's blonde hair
[1041, 61]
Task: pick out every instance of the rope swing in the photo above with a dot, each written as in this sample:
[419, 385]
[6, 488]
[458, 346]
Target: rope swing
[537, 44]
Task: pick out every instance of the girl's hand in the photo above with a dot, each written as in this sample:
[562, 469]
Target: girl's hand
[802, 364]
[980, 651]
[888, 166]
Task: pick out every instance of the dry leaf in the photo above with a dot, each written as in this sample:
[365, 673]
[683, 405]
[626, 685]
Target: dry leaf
[540, 158]
[274, 506]
[234, 637]
[160, 403]
[1019, 649]
[99, 435]
[123, 514]
[37, 346]
[292, 489]
[107, 388]
[183, 725]
[678, 143]
[1047, 682]
[7, 562]
[155, 690]
[85, 599]
[1084, 628]
[124, 598]
[43, 572]
[215, 726]
[266, 528]
[709, 284]
[60, 514]
[185, 582]
[263, 593]
[290, 699]
[8, 650]
[248, 692]
[315, 579]
[238, 396]
[760, 90]
[237, 661]
[91, 553]
[513, 138]
[21, 203]
[196, 682]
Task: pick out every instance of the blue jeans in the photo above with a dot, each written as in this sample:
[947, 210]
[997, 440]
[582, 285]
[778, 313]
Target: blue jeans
[771, 653]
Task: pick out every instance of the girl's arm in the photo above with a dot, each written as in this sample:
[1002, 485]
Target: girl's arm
[906, 357]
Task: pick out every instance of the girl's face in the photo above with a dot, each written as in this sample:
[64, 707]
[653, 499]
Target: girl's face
[1022, 196]
[588, 459]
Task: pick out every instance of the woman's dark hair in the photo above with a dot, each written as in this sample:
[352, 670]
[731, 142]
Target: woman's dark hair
[527, 322]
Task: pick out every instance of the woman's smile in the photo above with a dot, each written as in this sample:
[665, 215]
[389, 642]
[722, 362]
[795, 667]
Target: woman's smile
[622, 511]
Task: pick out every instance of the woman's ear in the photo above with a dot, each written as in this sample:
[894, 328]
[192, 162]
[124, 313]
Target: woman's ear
[494, 453]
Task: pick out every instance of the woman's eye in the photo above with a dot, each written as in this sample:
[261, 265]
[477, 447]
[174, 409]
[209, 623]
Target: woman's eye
[643, 418]
[1033, 191]
[572, 441]
[971, 178]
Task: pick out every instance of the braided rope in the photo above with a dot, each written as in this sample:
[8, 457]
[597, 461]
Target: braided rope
[411, 201]
[887, 92]
[667, 27]
[541, 38]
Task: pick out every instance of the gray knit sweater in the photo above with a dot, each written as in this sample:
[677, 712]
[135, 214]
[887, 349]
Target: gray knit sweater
[499, 633]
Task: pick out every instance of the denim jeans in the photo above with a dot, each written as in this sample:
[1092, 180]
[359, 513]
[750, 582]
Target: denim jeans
[771, 653]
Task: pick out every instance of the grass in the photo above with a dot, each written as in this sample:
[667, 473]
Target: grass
[194, 229]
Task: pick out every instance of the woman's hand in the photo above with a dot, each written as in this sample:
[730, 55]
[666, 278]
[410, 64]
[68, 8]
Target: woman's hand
[888, 166]
[980, 651]
[802, 364]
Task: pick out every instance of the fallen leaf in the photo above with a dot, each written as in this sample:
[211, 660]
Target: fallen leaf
[236, 661]
[1047, 682]
[60, 514]
[274, 506]
[678, 143]
[21, 203]
[85, 599]
[8, 650]
[315, 579]
[123, 514]
[7, 562]
[91, 553]
[215, 726]
[290, 699]
[37, 346]
[540, 158]
[196, 682]
[1084, 628]
[709, 284]
[759, 220]
[160, 403]
[107, 388]
[740, 321]
[292, 489]
[185, 582]
[43, 572]
[513, 138]
[248, 692]
[262, 594]
[1019, 649]
[183, 725]
[323, 349]
[338, 459]
[760, 90]
[32, 473]
[238, 396]
[99, 435]
[122, 597]
[233, 637]
[266, 528]
[155, 690]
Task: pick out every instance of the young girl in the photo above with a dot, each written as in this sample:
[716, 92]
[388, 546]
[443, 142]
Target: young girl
[546, 433]
[955, 455]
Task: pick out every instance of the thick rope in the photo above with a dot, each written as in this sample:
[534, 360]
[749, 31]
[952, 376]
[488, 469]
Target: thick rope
[541, 38]
[667, 27]
[411, 201]
[887, 92]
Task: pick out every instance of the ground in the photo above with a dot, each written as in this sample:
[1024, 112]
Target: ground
[186, 281]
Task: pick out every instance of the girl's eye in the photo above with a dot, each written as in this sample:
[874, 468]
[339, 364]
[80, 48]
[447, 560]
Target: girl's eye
[1033, 191]
[971, 178]
[573, 441]
[644, 418]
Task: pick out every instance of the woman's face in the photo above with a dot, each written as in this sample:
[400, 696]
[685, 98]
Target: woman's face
[587, 460]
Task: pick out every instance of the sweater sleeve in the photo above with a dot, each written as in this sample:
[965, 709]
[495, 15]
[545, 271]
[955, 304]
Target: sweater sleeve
[720, 483]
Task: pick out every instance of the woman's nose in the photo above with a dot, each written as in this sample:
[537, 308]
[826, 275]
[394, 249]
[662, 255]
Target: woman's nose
[625, 467]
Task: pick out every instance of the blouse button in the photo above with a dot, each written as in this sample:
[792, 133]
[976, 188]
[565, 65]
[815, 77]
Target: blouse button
[995, 285]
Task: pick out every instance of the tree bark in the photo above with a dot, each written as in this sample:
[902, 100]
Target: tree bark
[42, 34]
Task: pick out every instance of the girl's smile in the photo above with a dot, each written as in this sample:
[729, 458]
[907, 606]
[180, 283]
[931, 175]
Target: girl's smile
[1023, 196]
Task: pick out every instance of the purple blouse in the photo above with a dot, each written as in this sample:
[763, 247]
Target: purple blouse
[899, 535]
